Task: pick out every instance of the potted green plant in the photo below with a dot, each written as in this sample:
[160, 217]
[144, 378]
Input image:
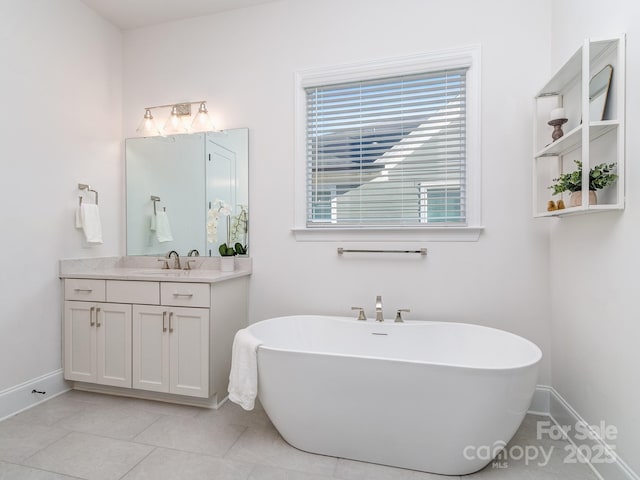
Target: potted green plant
[240, 249]
[600, 176]
[227, 263]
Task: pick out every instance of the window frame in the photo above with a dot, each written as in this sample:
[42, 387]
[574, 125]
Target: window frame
[465, 57]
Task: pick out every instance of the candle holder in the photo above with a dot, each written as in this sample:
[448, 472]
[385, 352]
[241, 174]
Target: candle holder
[557, 127]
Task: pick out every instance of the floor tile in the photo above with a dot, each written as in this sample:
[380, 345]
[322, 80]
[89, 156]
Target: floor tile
[69, 435]
[19, 440]
[196, 435]
[165, 408]
[115, 421]
[10, 471]
[535, 429]
[235, 414]
[266, 446]
[52, 411]
[265, 472]
[96, 398]
[164, 464]
[89, 456]
[545, 461]
[352, 470]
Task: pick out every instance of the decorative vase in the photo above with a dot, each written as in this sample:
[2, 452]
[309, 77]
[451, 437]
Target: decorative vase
[575, 199]
[227, 264]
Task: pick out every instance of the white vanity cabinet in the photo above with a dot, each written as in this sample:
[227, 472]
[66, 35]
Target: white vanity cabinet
[171, 340]
[97, 340]
[171, 349]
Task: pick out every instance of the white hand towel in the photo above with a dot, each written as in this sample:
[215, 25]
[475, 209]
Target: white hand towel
[90, 215]
[152, 223]
[243, 380]
[163, 229]
[79, 216]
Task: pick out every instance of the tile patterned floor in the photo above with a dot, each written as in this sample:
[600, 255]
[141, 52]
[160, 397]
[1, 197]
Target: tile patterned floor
[81, 435]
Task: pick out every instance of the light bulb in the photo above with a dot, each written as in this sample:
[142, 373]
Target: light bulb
[174, 122]
[202, 122]
[148, 127]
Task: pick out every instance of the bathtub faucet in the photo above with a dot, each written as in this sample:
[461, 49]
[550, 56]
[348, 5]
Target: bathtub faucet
[379, 314]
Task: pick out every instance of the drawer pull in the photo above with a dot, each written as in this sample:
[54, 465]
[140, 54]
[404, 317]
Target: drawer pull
[164, 319]
[91, 322]
[98, 317]
[84, 290]
[183, 295]
[170, 322]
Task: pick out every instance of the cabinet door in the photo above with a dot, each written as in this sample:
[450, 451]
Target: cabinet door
[79, 341]
[113, 341]
[189, 347]
[150, 348]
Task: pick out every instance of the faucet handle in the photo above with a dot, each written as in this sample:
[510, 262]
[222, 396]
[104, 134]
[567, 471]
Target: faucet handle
[166, 263]
[399, 314]
[361, 315]
[188, 265]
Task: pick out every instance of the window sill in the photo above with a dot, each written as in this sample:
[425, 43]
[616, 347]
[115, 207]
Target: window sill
[423, 234]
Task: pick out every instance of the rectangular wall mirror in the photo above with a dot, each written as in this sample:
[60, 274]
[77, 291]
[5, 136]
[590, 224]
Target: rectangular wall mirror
[187, 192]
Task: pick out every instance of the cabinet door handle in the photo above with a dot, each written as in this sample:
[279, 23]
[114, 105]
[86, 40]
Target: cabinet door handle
[86, 290]
[91, 322]
[183, 295]
[164, 319]
[98, 317]
[170, 322]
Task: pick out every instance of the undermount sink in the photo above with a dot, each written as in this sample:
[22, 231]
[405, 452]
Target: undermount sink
[159, 272]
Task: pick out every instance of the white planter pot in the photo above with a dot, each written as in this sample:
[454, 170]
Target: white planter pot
[227, 264]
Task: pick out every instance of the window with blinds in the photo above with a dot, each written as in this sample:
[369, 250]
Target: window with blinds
[389, 152]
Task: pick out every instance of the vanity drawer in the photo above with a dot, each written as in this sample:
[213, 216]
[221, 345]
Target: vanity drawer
[185, 294]
[84, 289]
[129, 291]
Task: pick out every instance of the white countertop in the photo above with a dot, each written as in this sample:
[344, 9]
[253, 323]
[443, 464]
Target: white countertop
[120, 269]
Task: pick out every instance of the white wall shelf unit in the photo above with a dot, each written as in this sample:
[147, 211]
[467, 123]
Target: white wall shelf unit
[602, 142]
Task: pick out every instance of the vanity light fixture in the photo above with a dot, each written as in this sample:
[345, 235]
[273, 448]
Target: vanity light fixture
[176, 122]
[202, 122]
[148, 127]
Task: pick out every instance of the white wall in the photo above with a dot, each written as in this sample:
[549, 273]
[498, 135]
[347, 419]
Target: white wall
[243, 63]
[61, 124]
[594, 258]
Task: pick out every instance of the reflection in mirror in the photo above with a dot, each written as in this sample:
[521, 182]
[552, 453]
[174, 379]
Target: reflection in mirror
[187, 192]
[598, 93]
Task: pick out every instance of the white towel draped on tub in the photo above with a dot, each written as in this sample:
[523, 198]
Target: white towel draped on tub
[90, 218]
[163, 228]
[243, 380]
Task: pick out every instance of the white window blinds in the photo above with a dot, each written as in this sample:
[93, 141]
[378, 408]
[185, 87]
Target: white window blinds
[388, 152]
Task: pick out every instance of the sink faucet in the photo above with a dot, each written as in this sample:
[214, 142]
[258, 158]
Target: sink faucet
[176, 262]
[379, 314]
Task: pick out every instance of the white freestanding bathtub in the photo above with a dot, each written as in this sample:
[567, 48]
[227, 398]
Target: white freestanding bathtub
[416, 395]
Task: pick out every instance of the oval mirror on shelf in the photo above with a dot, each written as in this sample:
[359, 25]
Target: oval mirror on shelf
[598, 93]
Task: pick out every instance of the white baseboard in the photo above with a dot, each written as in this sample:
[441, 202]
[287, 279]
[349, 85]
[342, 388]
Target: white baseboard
[211, 402]
[21, 397]
[540, 404]
[547, 401]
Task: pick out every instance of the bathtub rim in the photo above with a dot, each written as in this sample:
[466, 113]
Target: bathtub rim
[391, 323]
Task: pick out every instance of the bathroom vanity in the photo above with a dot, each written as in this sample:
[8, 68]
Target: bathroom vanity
[133, 329]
